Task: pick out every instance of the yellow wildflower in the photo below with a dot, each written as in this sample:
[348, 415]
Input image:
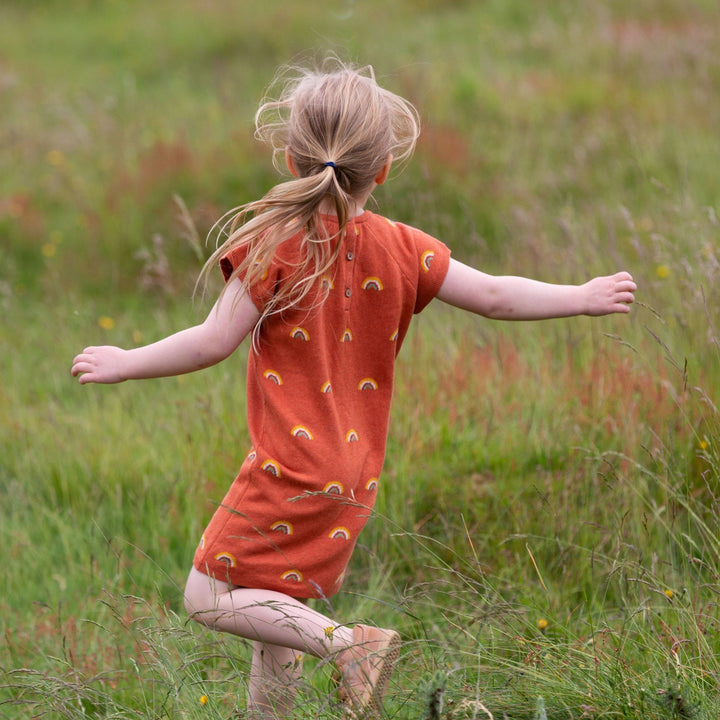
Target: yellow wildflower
[329, 631]
[203, 699]
[662, 271]
[49, 250]
[106, 323]
[669, 594]
[55, 158]
[703, 445]
[542, 624]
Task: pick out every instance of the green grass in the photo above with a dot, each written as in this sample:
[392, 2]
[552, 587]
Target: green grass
[546, 532]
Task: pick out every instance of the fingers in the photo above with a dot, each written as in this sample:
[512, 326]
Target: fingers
[624, 291]
[84, 364]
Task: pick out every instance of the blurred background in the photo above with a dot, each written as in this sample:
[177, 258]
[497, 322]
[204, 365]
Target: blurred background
[551, 486]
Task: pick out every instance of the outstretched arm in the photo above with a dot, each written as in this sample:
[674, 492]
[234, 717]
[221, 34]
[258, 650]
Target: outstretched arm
[518, 298]
[195, 348]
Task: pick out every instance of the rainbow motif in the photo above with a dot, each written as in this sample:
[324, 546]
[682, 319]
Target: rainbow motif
[202, 541]
[226, 557]
[292, 576]
[367, 384]
[390, 222]
[300, 333]
[301, 432]
[372, 283]
[339, 533]
[251, 456]
[334, 488]
[394, 336]
[283, 527]
[351, 436]
[327, 283]
[326, 387]
[273, 377]
[426, 260]
[371, 484]
[271, 467]
[346, 336]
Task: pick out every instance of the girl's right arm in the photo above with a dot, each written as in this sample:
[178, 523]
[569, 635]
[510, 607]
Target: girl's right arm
[232, 318]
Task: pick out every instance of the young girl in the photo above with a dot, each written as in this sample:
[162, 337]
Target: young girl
[327, 290]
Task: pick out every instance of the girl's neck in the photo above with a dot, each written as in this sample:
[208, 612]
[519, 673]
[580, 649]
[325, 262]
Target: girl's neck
[327, 207]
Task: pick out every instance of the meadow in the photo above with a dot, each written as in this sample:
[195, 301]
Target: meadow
[546, 535]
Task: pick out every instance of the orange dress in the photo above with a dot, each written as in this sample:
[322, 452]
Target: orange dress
[318, 404]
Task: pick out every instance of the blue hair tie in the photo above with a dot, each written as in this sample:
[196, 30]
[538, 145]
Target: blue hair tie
[331, 164]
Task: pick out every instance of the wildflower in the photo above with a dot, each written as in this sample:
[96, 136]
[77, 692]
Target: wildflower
[137, 336]
[203, 699]
[542, 624]
[662, 271]
[669, 594]
[49, 249]
[703, 445]
[106, 323]
[329, 631]
[55, 158]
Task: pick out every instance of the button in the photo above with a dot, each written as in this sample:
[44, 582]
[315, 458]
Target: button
[348, 292]
[350, 255]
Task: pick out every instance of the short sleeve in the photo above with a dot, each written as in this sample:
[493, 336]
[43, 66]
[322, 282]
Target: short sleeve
[433, 261]
[263, 289]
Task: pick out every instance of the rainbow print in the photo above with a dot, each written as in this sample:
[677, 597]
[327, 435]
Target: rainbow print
[226, 557]
[426, 260]
[300, 333]
[282, 526]
[326, 387]
[273, 377]
[339, 533]
[292, 576]
[346, 336]
[371, 484]
[271, 467]
[301, 432]
[367, 384]
[351, 436]
[334, 488]
[372, 283]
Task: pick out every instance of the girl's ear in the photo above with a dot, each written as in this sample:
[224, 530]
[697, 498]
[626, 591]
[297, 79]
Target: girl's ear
[290, 162]
[382, 176]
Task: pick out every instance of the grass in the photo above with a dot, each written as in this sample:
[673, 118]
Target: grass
[546, 531]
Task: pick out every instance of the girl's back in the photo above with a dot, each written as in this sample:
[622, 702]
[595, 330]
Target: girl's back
[319, 393]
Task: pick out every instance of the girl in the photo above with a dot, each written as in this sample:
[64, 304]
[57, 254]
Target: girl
[327, 290]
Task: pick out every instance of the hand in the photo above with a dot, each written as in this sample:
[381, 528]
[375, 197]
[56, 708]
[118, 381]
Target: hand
[612, 294]
[102, 364]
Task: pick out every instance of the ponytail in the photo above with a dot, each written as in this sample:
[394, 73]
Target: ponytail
[340, 127]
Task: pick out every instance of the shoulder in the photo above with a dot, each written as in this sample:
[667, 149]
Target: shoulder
[421, 258]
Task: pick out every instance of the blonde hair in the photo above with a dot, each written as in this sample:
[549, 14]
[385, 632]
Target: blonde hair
[339, 127]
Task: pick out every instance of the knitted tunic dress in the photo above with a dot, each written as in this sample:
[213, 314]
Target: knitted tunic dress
[318, 404]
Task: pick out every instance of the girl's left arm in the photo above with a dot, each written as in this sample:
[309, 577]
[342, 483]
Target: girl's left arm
[232, 318]
[518, 298]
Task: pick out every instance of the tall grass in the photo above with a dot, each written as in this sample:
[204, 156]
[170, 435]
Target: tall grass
[546, 531]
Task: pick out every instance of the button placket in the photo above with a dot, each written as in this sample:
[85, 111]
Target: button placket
[350, 271]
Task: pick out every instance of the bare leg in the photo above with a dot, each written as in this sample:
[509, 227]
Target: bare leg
[273, 681]
[280, 625]
[265, 616]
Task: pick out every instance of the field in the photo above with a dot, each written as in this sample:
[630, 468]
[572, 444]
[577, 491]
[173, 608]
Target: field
[546, 536]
